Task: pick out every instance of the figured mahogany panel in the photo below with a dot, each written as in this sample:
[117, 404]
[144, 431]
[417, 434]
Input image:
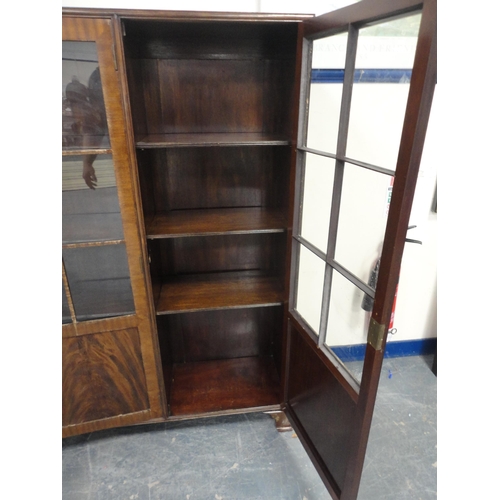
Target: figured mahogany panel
[323, 407]
[103, 376]
[227, 384]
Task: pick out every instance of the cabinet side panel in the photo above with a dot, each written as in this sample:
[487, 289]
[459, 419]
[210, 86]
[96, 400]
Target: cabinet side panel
[137, 102]
[278, 96]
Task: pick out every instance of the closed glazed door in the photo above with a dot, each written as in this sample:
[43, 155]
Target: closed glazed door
[110, 374]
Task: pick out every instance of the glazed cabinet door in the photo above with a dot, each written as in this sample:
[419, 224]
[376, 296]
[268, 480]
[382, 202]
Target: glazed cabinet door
[109, 363]
[368, 76]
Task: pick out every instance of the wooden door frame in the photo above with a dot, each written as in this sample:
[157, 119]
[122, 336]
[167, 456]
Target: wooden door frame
[101, 30]
[421, 91]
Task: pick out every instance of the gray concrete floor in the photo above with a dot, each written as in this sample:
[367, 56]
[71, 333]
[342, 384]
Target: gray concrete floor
[244, 457]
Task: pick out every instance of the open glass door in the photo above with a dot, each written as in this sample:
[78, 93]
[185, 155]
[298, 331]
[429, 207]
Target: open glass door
[368, 77]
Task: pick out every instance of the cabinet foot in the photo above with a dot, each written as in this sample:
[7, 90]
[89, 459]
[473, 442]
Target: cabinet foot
[282, 423]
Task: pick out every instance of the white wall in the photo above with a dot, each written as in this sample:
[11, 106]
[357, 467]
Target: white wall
[416, 307]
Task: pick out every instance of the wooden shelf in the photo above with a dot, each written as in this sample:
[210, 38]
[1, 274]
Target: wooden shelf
[211, 139]
[216, 221]
[228, 384]
[229, 290]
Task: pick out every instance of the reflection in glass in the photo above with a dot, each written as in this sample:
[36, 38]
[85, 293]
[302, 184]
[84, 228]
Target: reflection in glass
[384, 61]
[328, 62]
[347, 328]
[99, 281]
[310, 287]
[363, 214]
[83, 114]
[66, 313]
[317, 201]
[90, 213]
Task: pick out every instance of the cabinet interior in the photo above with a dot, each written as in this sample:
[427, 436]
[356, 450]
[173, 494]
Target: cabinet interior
[211, 105]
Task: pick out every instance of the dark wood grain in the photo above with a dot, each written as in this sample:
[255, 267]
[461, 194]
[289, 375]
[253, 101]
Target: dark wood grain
[227, 384]
[188, 178]
[260, 253]
[200, 85]
[220, 334]
[218, 291]
[205, 78]
[102, 376]
[175, 140]
[201, 96]
[208, 40]
[165, 15]
[215, 222]
[150, 402]
[417, 114]
[359, 13]
[322, 406]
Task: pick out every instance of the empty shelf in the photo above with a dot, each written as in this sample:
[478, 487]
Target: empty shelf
[228, 290]
[211, 139]
[227, 384]
[216, 221]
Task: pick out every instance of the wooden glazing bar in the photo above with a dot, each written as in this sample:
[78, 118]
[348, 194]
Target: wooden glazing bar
[81, 152]
[106, 324]
[345, 110]
[369, 166]
[87, 244]
[68, 295]
[325, 306]
[352, 278]
[316, 251]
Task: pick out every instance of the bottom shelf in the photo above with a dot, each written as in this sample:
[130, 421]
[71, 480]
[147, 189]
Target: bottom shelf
[227, 384]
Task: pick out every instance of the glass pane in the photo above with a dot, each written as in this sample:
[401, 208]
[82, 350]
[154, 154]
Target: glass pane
[66, 313]
[384, 61]
[90, 208]
[347, 328]
[327, 76]
[99, 281]
[362, 220]
[316, 206]
[310, 287]
[84, 123]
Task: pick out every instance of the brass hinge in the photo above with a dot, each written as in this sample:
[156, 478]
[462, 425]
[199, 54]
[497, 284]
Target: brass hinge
[376, 333]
